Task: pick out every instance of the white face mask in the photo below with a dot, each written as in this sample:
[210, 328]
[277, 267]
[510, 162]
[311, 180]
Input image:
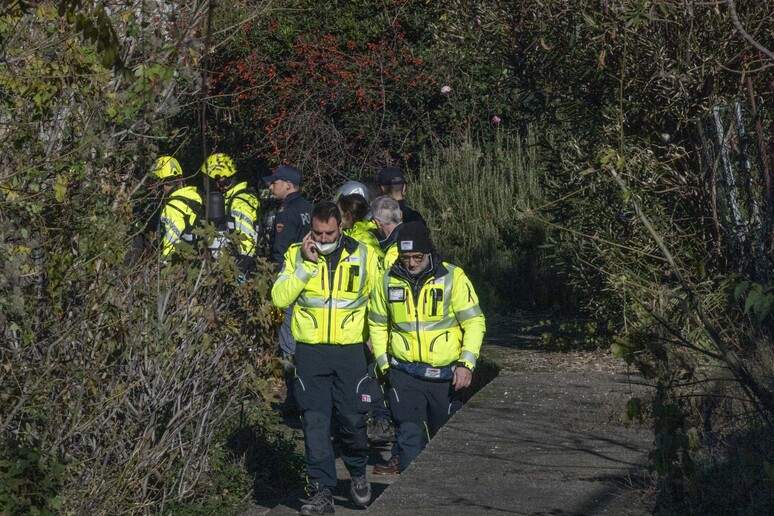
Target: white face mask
[326, 249]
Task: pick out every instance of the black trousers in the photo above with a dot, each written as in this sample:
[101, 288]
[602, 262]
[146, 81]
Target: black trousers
[419, 409]
[332, 380]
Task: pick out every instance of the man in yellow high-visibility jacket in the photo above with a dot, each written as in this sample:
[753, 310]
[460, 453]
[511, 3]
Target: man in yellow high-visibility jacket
[427, 329]
[388, 219]
[182, 209]
[241, 207]
[329, 277]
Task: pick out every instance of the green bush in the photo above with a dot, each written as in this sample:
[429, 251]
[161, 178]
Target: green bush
[479, 202]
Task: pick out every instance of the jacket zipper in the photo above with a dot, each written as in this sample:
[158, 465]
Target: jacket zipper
[345, 319]
[416, 314]
[444, 334]
[314, 320]
[332, 275]
[405, 341]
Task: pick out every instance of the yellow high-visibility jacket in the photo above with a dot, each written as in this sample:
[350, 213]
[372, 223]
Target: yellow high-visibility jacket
[179, 217]
[242, 206]
[390, 256]
[438, 323]
[361, 231]
[330, 305]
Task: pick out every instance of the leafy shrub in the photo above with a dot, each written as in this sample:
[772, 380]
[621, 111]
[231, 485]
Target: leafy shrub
[115, 374]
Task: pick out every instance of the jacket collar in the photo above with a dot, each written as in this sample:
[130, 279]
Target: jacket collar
[231, 192]
[291, 197]
[391, 239]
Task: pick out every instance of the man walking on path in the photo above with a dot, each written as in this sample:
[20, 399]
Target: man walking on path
[329, 277]
[291, 223]
[426, 328]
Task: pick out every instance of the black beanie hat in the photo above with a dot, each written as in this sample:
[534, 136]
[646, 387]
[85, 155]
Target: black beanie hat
[414, 237]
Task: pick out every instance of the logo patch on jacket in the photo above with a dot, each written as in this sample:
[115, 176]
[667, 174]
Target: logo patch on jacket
[366, 398]
[280, 227]
[432, 372]
[396, 294]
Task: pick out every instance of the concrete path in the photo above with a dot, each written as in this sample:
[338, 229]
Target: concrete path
[544, 443]
[543, 437]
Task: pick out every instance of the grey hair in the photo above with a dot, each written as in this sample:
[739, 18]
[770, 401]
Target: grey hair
[386, 210]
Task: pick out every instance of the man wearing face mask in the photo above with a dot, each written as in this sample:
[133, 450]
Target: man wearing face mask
[329, 276]
[426, 328]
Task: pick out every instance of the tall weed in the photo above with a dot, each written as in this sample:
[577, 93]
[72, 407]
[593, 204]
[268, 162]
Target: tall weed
[478, 199]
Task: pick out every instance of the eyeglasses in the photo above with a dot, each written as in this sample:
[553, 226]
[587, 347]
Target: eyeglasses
[408, 258]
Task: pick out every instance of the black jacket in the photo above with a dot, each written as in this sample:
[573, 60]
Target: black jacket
[410, 215]
[291, 224]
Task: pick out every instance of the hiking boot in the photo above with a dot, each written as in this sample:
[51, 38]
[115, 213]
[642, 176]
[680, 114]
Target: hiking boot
[387, 468]
[321, 501]
[379, 431]
[360, 489]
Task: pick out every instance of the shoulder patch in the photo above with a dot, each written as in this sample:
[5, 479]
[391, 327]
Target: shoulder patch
[280, 227]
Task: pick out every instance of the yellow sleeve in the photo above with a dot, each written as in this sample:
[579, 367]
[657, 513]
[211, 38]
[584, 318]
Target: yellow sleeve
[379, 323]
[295, 274]
[469, 315]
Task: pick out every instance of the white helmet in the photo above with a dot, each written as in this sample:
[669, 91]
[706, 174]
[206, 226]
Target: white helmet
[352, 187]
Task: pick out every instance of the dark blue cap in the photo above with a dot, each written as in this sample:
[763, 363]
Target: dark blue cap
[284, 173]
[390, 176]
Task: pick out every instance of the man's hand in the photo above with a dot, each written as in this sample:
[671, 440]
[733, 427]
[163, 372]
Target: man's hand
[462, 378]
[308, 248]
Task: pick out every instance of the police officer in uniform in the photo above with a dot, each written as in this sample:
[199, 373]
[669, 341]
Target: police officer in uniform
[290, 225]
[427, 329]
[327, 278]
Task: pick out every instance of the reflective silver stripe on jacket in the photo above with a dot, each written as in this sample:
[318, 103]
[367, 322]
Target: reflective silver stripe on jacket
[469, 313]
[171, 227]
[378, 318]
[331, 302]
[244, 224]
[411, 326]
[468, 356]
[382, 360]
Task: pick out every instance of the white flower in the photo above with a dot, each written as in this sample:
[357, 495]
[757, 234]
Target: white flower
[445, 89]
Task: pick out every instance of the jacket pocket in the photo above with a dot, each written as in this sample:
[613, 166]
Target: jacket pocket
[445, 335]
[310, 315]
